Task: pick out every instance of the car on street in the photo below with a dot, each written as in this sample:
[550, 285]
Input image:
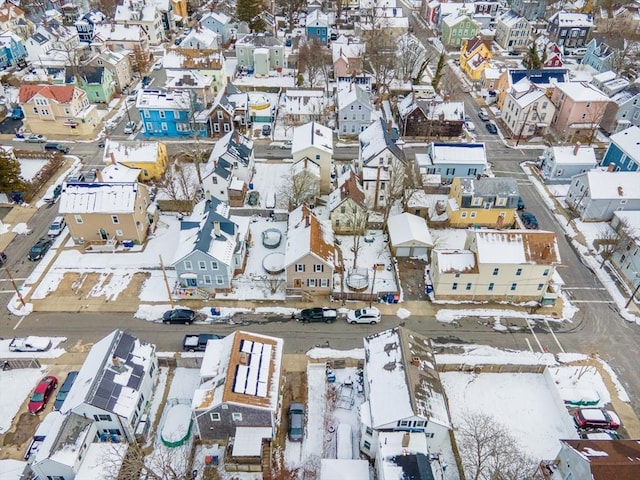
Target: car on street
[317, 314]
[521, 205]
[41, 394]
[3, 258]
[56, 147]
[157, 65]
[41, 247]
[179, 315]
[57, 227]
[369, 315]
[596, 418]
[146, 81]
[296, 422]
[286, 144]
[130, 127]
[491, 127]
[470, 126]
[35, 139]
[529, 220]
[484, 116]
[197, 342]
[64, 390]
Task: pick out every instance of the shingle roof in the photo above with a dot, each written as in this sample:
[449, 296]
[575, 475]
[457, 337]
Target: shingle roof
[58, 93]
[608, 459]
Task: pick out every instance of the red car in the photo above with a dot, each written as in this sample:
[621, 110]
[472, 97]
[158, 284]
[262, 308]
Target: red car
[42, 393]
[596, 418]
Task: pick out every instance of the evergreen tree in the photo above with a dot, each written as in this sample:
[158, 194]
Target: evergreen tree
[532, 59]
[10, 180]
[248, 11]
[439, 71]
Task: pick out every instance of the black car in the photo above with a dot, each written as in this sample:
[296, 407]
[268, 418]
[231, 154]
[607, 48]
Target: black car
[146, 81]
[318, 314]
[521, 205]
[41, 247]
[179, 315]
[64, 390]
[491, 127]
[3, 258]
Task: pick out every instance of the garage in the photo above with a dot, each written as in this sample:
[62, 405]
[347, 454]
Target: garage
[409, 236]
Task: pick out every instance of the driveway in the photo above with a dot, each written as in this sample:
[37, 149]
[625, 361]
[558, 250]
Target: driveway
[411, 271]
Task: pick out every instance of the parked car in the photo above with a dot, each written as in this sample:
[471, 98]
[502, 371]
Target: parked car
[529, 220]
[76, 178]
[266, 130]
[364, 315]
[179, 315]
[318, 314]
[91, 175]
[130, 127]
[492, 128]
[57, 227]
[596, 418]
[197, 342]
[56, 147]
[484, 116]
[42, 393]
[286, 144]
[64, 390]
[296, 422]
[35, 139]
[146, 81]
[30, 344]
[132, 96]
[521, 205]
[470, 126]
[41, 247]
[3, 258]
[600, 435]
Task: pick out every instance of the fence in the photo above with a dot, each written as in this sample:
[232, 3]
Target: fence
[490, 368]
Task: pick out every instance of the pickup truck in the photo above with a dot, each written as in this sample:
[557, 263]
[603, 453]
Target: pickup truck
[197, 342]
[30, 344]
[318, 314]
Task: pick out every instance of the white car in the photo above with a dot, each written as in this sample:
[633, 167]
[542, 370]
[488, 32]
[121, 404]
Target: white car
[56, 227]
[369, 315]
[469, 125]
[129, 128]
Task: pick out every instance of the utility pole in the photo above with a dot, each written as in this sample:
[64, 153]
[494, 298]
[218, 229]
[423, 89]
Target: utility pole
[166, 282]
[373, 285]
[15, 287]
[633, 295]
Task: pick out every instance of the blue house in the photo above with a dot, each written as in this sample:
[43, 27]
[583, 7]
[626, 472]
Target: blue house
[623, 154]
[212, 249]
[86, 24]
[318, 26]
[601, 55]
[174, 113]
[12, 50]
[453, 160]
[219, 23]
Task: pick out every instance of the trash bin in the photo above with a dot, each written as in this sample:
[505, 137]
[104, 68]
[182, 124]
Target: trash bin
[127, 243]
[215, 311]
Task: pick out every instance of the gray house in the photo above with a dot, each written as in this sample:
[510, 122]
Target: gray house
[239, 391]
[354, 110]
[569, 29]
[623, 110]
[597, 194]
[529, 9]
[558, 164]
[627, 259]
[260, 48]
[219, 23]
[211, 251]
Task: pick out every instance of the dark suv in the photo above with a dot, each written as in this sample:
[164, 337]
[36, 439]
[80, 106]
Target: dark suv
[318, 314]
[56, 147]
[179, 315]
[64, 390]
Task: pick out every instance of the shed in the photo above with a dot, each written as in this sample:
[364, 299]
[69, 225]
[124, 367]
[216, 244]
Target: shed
[409, 235]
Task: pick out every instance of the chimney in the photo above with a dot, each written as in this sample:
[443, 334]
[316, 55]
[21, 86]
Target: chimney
[576, 148]
[405, 440]
[116, 361]
[621, 191]
[207, 195]
[216, 228]
[389, 126]
[113, 158]
[611, 167]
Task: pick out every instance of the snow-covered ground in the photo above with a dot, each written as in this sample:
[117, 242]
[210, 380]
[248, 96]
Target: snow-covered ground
[29, 168]
[16, 385]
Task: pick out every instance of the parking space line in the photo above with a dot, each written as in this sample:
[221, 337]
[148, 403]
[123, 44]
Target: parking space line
[536, 338]
[554, 336]
[19, 322]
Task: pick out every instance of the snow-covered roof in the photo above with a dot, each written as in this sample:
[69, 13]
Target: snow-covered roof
[244, 369]
[67, 435]
[332, 468]
[402, 377]
[304, 101]
[125, 151]
[307, 234]
[193, 59]
[217, 16]
[574, 154]
[509, 18]
[114, 173]
[317, 19]
[458, 261]
[312, 134]
[375, 139]
[161, 99]
[514, 247]
[465, 153]
[524, 92]
[201, 38]
[347, 50]
[404, 455]
[100, 459]
[628, 141]
[98, 198]
[351, 94]
[111, 375]
[571, 19]
[489, 186]
[234, 146]
[609, 185]
[118, 32]
[407, 228]
[247, 441]
[582, 92]
[127, 12]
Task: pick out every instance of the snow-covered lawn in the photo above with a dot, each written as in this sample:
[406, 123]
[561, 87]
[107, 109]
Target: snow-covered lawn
[16, 386]
[270, 177]
[29, 168]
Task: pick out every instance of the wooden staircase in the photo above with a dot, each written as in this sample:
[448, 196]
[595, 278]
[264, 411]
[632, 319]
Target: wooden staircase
[266, 459]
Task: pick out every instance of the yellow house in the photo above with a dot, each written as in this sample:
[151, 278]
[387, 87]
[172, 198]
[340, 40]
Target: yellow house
[475, 56]
[487, 202]
[179, 8]
[150, 157]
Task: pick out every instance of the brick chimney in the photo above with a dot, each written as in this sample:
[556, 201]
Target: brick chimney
[621, 191]
[576, 149]
[389, 126]
[113, 158]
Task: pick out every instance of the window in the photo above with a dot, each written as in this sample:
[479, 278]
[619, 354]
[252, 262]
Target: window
[311, 282]
[367, 445]
[216, 127]
[226, 127]
[188, 265]
[403, 423]
[149, 127]
[102, 418]
[463, 214]
[496, 271]
[474, 214]
[299, 267]
[540, 285]
[214, 416]
[429, 434]
[491, 285]
[519, 272]
[369, 430]
[119, 233]
[219, 280]
[214, 265]
[468, 287]
[78, 219]
[206, 279]
[162, 114]
[236, 416]
[318, 268]
[220, 116]
[546, 272]
[454, 286]
[115, 219]
[164, 127]
[140, 402]
[513, 287]
[324, 282]
[202, 265]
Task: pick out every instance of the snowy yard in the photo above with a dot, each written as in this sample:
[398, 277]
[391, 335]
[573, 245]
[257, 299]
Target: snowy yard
[29, 168]
[20, 383]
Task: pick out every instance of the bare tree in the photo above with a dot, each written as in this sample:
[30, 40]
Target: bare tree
[160, 463]
[299, 187]
[141, 60]
[356, 219]
[181, 186]
[488, 451]
[411, 58]
[380, 51]
[313, 58]
[610, 241]
[198, 152]
[400, 178]
[274, 283]
[290, 8]
[593, 118]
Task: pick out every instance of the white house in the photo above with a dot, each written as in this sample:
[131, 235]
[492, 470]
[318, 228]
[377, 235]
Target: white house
[409, 235]
[145, 14]
[354, 110]
[315, 141]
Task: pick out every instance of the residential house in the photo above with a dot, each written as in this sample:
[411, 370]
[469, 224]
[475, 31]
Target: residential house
[121, 38]
[118, 63]
[13, 19]
[623, 110]
[180, 10]
[317, 26]
[167, 15]
[452, 160]
[114, 386]
[594, 460]
[219, 23]
[488, 82]
[260, 53]
[596, 195]
[354, 110]
[527, 111]
[60, 454]
[624, 18]
[51, 38]
[603, 52]
[579, 109]
[431, 118]
[409, 236]
[553, 55]
[303, 105]
[570, 30]
[201, 38]
[486, 201]
[113, 209]
[209, 63]
[403, 455]
[145, 15]
[58, 110]
[150, 158]
[558, 164]
[200, 85]
[475, 57]
[12, 50]
[85, 25]
[315, 141]
[229, 111]
[485, 12]
[546, 79]
[402, 390]
[346, 58]
[230, 169]
[348, 210]
[513, 32]
[511, 265]
[310, 255]
[98, 83]
[626, 259]
[529, 9]
[623, 152]
[212, 249]
[170, 114]
[387, 20]
[456, 28]
[239, 394]
[379, 158]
